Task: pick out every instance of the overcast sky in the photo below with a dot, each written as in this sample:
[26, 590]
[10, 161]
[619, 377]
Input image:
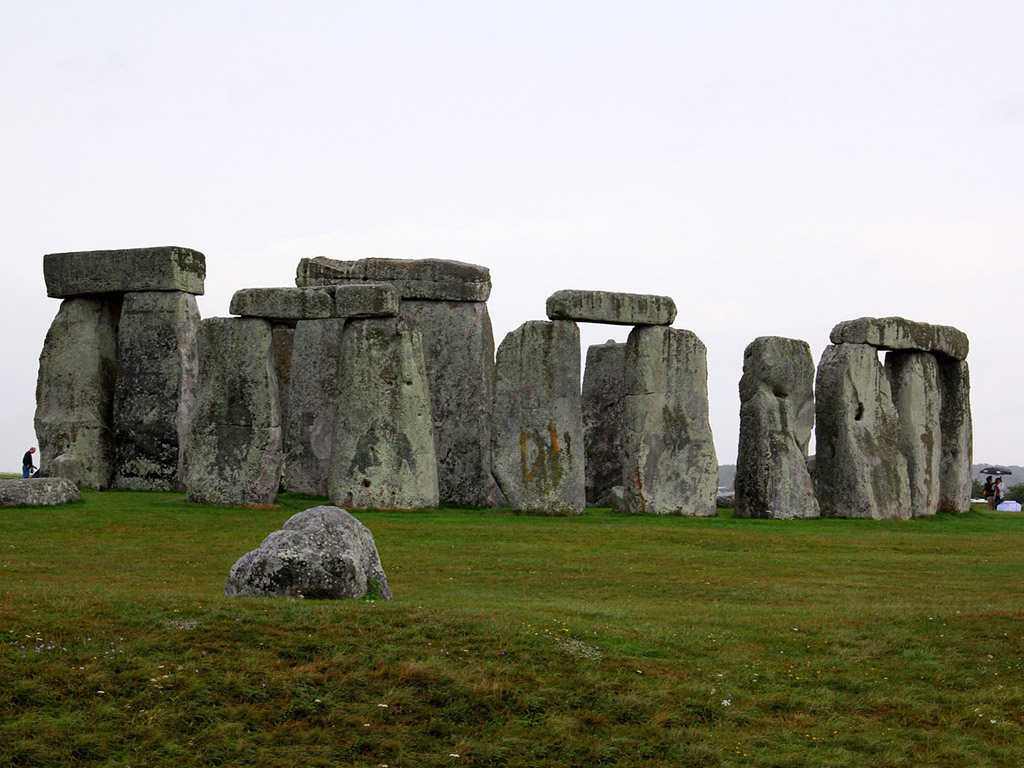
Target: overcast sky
[775, 167]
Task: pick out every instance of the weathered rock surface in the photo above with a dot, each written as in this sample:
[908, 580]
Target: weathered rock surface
[66, 466]
[75, 388]
[365, 300]
[670, 464]
[283, 340]
[383, 438]
[458, 350]
[37, 492]
[158, 366]
[312, 397]
[167, 268]
[283, 303]
[914, 382]
[233, 446]
[611, 308]
[431, 279]
[957, 436]
[603, 404]
[859, 470]
[898, 333]
[776, 420]
[322, 553]
[537, 449]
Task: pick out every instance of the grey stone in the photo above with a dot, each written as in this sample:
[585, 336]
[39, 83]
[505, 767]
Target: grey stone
[37, 492]
[75, 388]
[430, 279]
[776, 420]
[167, 268]
[537, 449]
[611, 308]
[312, 397]
[66, 466]
[725, 500]
[617, 498]
[603, 405]
[859, 470]
[914, 382]
[383, 439]
[957, 436]
[898, 333]
[322, 553]
[283, 335]
[365, 300]
[233, 447]
[158, 366]
[283, 303]
[670, 464]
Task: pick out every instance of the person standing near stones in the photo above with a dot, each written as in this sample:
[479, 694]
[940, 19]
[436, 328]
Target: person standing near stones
[988, 492]
[27, 466]
[998, 491]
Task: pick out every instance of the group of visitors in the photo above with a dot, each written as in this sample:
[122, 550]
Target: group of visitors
[993, 492]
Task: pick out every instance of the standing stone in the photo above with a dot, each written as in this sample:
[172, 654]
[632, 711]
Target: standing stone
[458, 350]
[602, 420]
[914, 381]
[776, 420]
[383, 452]
[537, 448]
[957, 436]
[75, 388]
[312, 397]
[859, 470]
[157, 370]
[670, 466]
[283, 341]
[233, 446]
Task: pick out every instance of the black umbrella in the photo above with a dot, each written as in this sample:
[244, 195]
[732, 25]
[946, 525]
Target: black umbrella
[995, 471]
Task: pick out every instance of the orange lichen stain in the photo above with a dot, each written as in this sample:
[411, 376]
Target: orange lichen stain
[640, 490]
[553, 431]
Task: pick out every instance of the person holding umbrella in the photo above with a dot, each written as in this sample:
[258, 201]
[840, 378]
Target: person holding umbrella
[989, 492]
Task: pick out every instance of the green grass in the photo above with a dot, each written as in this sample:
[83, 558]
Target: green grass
[513, 641]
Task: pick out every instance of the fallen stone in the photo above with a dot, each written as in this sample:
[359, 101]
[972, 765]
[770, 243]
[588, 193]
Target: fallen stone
[430, 279]
[283, 303]
[603, 406]
[458, 351]
[725, 500]
[914, 382]
[158, 365]
[957, 436]
[776, 420]
[611, 308]
[859, 470]
[383, 437]
[75, 388]
[168, 268]
[37, 492]
[322, 553]
[670, 467]
[537, 449]
[233, 444]
[899, 334]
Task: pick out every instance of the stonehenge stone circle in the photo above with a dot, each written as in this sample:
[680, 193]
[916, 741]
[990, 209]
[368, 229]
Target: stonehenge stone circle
[914, 382]
[859, 469]
[233, 445]
[776, 421]
[321, 553]
[537, 439]
[603, 404]
[611, 308]
[37, 492]
[157, 368]
[383, 437]
[670, 467]
[898, 333]
[429, 279]
[168, 268]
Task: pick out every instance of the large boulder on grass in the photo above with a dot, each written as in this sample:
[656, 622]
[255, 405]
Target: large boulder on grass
[322, 553]
[37, 492]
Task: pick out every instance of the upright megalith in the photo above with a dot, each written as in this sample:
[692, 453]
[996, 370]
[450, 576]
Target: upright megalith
[957, 436]
[670, 467]
[75, 388]
[157, 370]
[859, 469]
[914, 382]
[776, 420]
[233, 444]
[537, 447]
[383, 437]
[164, 268]
[603, 404]
[611, 308]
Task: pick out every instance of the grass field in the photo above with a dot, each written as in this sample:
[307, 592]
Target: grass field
[513, 641]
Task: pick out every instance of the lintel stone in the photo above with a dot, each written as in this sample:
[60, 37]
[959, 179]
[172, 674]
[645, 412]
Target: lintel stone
[900, 334]
[427, 279]
[283, 303]
[164, 268]
[611, 308]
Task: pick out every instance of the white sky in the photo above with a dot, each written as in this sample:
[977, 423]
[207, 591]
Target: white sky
[775, 167]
